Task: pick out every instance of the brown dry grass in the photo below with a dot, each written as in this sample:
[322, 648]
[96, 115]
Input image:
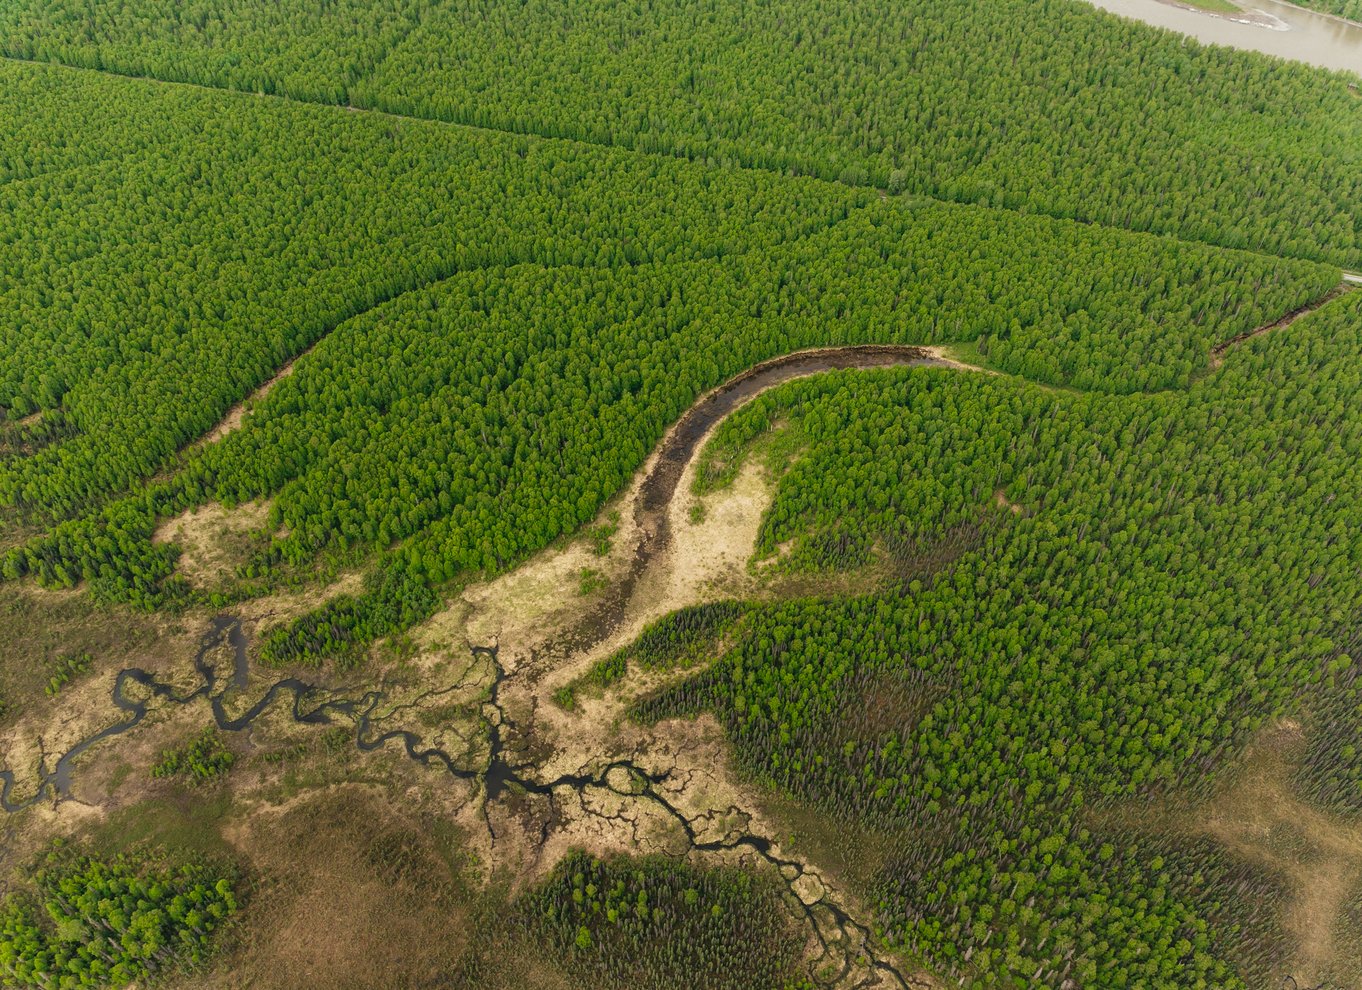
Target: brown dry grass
[1259, 818]
[344, 887]
[213, 539]
[282, 606]
[352, 892]
[37, 626]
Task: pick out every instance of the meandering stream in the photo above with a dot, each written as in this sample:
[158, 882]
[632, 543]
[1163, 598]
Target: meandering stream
[135, 689]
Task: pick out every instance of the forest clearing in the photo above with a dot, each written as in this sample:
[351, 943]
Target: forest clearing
[762, 497]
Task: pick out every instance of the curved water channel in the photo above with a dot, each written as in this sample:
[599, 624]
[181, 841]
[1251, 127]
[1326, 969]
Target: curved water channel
[1268, 26]
[135, 689]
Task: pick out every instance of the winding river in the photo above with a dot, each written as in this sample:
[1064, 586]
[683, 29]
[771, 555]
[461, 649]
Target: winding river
[135, 689]
[1268, 26]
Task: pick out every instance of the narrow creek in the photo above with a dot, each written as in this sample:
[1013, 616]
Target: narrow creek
[842, 940]
[683, 440]
[844, 943]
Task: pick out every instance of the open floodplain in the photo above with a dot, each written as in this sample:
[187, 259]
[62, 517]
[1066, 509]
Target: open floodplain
[771, 496]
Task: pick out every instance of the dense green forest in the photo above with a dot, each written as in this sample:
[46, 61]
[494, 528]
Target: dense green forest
[94, 923]
[432, 365]
[646, 924]
[344, 213]
[1042, 106]
[434, 377]
[1185, 568]
[152, 275]
[501, 248]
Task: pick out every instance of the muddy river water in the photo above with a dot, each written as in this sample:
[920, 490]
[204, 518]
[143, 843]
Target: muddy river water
[1267, 26]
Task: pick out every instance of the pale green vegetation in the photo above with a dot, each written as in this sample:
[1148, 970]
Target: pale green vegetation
[557, 225]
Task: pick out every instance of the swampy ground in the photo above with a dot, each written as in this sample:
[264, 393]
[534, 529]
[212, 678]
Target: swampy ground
[384, 817]
[372, 868]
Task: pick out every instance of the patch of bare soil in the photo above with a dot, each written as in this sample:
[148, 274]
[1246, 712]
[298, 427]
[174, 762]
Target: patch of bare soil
[1259, 818]
[1004, 502]
[667, 788]
[237, 414]
[213, 539]
[942, 354]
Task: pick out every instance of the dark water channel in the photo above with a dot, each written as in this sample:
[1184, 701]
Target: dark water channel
[680, 446]
[1268, 26]
[135, 689]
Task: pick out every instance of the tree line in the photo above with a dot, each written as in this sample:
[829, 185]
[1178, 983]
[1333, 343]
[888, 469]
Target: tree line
[1351, 9]
[459, 414]
[1183, 572]
[1049, 107]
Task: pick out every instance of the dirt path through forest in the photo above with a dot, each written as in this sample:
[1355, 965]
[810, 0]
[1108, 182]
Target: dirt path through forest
[1218, 352]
